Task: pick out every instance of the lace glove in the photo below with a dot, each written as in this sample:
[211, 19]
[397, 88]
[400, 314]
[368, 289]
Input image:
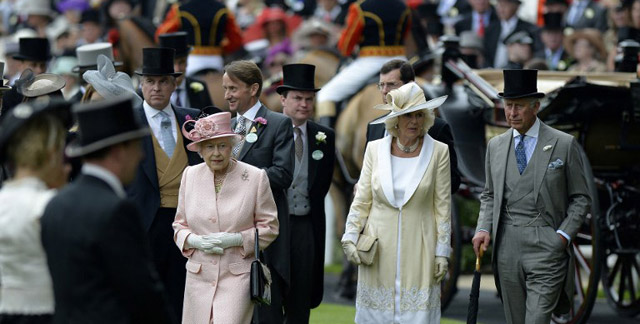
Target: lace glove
[442, 265]
[203, 243]
[224, 240]
[351, 252]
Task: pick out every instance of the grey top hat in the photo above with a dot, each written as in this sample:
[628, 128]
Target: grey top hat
[30, 85]
[519, 37]
[109, 83]
[88, 55]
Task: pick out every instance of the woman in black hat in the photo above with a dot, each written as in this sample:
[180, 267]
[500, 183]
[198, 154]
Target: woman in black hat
[32, 138]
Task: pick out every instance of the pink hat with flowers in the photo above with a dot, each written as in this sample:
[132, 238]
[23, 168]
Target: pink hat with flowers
[207, 128]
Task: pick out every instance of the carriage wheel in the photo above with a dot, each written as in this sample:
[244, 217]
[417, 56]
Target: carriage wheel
[587, 247]
[621, 258]
[449, 288]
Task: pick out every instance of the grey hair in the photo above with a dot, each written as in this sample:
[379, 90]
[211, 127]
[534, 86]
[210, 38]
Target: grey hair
[391, 124]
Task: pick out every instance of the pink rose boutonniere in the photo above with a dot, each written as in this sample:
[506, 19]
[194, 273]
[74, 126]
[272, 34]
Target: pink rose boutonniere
[187, 117]
[261, 121]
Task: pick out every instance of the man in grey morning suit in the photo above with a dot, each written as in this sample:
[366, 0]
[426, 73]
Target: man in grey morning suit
[534, 201]
[268, 144]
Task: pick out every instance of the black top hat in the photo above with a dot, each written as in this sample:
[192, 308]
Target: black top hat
[552, 2]
[91, 15]
[298, 77]
[553, 21]
[158, 61]
[520, 84]
[104, 123]
[34, 49]
[177, 41]
[19, 115]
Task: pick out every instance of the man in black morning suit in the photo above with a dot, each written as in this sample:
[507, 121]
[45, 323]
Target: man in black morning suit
[155, 188]
[97, 249]
[315, 155]
[268, 144]
[189, 92]
[393, 75]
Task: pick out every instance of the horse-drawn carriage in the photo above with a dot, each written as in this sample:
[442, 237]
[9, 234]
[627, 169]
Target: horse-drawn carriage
[603, 112]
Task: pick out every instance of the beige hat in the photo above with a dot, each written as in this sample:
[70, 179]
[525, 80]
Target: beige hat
[407, 99]
[33, 86]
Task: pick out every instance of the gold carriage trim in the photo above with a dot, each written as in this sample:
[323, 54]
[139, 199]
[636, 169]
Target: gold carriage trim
[382, 51]
[206, 50]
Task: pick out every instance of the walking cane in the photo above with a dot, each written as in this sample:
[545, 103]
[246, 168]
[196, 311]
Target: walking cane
[472, 312]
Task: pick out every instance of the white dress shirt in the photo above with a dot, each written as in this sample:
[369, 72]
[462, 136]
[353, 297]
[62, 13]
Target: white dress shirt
[250, 115]
[154, 119]
[184, 99]
[303, 128]
[507, 27]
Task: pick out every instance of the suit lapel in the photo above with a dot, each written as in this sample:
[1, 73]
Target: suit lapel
[385, 175]
[149, 162]
[312, 146]
[501, 157]
[540, 168]
[262, 112]
[423, 163]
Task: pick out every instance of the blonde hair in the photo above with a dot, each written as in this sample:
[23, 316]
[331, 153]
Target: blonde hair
[391, 124]
[31, 146]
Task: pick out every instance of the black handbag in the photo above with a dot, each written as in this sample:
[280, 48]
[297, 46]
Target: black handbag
[260, 279]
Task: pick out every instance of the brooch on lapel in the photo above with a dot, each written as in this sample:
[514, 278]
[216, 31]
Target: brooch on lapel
[251, 137]
[245, 175]
[557, 164]
[546, 148]
[188, 117]
[317, 155]
[589, 13]
[196, 86]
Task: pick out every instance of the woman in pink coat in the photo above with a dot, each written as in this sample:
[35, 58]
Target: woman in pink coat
[222, 201]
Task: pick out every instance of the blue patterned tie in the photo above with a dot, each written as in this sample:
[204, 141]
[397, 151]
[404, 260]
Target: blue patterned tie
[521, 156]
[166, 134]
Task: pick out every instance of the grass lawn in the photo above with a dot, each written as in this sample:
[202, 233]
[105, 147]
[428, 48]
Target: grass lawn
[339, 314]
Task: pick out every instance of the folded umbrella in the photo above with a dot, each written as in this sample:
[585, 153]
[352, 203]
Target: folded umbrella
[472, 312]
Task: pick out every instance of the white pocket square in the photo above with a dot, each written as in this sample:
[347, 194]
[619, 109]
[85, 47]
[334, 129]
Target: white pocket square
[555, 164]
[546, 148]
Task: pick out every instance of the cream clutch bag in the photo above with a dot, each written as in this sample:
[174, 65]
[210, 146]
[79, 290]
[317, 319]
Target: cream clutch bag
[367, 249]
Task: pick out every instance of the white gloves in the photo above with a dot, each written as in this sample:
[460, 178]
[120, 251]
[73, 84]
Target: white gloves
[442, 265]
[351, 252]
[226, 240]
[214, 243]
[203, 243]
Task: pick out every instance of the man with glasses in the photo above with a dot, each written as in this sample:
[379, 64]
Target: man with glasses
[393, 75]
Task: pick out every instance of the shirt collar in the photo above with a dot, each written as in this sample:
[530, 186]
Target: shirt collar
[183, 84]
[303, 128]
[106, 176]
[532, 132]
[510, 24]
[252, 112]
[152, 112]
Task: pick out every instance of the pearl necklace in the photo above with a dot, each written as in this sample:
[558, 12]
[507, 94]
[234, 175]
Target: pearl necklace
[407, 149]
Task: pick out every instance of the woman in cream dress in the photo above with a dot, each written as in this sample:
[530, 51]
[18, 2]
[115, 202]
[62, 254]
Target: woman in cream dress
[403, 198]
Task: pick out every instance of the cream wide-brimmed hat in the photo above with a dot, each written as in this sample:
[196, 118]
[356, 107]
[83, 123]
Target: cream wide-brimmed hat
[407, 99]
